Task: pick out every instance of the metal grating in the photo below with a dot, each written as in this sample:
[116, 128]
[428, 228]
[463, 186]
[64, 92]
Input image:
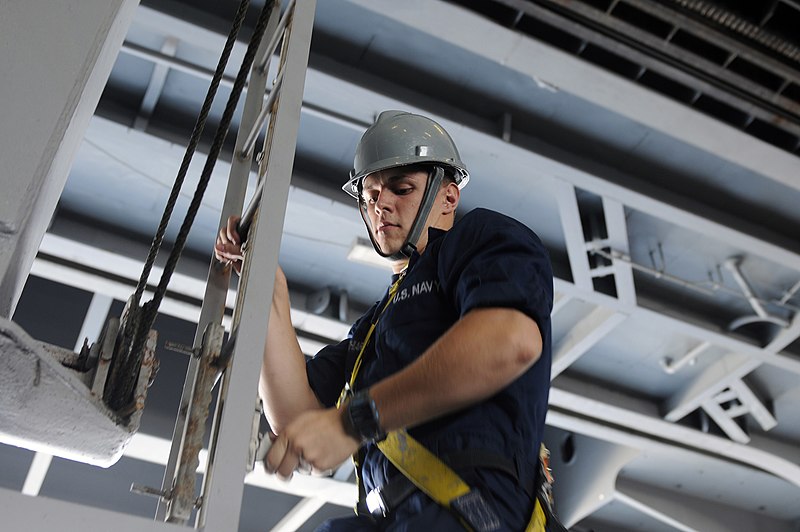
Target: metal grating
[770, 26]
[642, 19]
[735, 60]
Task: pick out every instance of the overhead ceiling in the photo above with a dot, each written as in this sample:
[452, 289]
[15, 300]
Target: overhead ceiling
[652, 144]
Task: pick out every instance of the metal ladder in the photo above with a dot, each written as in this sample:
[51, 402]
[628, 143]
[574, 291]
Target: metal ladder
[235, 365]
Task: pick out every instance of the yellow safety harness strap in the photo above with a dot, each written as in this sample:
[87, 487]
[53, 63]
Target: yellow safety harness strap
[423, 468]
[350, 385]
[438, 481]
[538, 520]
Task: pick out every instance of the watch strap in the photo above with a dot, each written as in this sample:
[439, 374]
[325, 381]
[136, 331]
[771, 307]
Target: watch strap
[361, 419]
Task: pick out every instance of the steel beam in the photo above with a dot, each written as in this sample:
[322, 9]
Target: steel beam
[94, 321]
[754, 406]
[672, 366]
[569, 212]
[717, 377]
[582, 336]
[586, 483]
[70, 269]
[650, 509]
[683, 122]
[569, 73]
[617, 229]
[298, 515]
[599, 405]
[720, 39]
[681, 512]
[559, 302]
[50, 91]
[707, 332]
[157, 80]
[699, 68]
[729, 371]
[36, 473]
[701, 513]
[725, 421]
[40, 514]
[785, 337]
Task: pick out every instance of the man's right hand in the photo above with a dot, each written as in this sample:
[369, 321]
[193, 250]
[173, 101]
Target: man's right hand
[228, 247]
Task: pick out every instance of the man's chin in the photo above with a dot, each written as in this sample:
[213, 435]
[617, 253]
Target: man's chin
[388, 248]
[389, 251]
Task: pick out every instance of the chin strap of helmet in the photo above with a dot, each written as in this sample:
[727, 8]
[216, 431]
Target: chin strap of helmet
[435, 178]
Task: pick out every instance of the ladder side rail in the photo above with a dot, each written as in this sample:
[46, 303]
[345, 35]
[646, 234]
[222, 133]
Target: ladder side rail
[222, 501]
[218, 279]
[269, 105]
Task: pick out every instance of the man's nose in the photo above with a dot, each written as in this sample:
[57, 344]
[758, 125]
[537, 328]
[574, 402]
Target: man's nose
[383, 202]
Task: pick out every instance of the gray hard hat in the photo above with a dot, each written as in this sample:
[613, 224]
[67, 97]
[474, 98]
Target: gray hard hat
[398, 138]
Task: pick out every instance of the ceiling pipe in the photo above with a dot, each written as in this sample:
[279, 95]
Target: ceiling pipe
[613, 254]
[672, 366]
[789, 294]
[227, 81]
[732, 264]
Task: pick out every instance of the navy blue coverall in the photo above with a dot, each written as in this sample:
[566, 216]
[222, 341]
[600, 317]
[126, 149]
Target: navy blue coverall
[486, 260]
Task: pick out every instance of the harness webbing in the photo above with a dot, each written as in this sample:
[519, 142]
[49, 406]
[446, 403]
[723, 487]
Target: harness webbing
[360, 358]
[422, 467]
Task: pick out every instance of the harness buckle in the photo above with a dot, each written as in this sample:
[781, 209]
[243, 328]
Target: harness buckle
[346, 393]
[385, 499]
[376, 505]
[474, 509]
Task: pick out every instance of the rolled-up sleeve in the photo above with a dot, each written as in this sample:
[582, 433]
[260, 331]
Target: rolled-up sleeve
[326, 371]
[494, 261]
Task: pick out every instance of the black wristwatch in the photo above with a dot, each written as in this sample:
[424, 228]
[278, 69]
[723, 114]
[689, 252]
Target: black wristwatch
[361, 419]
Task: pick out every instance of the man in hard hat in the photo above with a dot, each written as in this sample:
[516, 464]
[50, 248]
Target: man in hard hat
[440, 390]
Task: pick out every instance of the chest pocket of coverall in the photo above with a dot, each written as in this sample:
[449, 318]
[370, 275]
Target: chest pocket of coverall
[417, 317]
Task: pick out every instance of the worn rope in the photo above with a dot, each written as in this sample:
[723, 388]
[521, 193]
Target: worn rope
[127, 370]
[194, 140]
[122, 366]
[216, 148]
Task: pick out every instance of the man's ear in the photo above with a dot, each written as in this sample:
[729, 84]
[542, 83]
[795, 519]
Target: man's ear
[450, 199]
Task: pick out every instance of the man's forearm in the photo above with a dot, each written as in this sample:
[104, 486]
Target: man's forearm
[479, 356]
[283, 385]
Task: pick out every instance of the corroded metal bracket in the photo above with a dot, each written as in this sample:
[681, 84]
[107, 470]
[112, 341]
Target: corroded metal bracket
[181, 498]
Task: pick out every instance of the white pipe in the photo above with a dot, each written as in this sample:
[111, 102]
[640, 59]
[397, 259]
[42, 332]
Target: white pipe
[672, 367]
[733, 265]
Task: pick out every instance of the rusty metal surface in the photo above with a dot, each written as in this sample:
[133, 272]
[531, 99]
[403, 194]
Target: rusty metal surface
[182, 495]
[105, 348]
[146, 375]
